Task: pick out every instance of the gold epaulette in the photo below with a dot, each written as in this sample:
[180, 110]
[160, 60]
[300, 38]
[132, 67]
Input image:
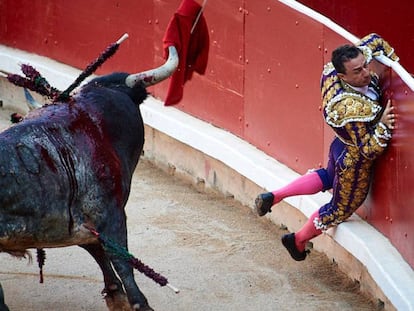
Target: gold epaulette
[350, 107]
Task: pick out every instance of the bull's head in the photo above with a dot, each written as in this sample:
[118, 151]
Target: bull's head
[153, 76]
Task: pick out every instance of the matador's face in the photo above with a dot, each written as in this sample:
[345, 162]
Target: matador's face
[357, 73]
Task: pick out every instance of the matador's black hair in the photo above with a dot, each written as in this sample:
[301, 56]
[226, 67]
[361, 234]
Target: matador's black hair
[343, 54]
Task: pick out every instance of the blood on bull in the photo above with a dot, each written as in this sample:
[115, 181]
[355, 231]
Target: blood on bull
[66, 173]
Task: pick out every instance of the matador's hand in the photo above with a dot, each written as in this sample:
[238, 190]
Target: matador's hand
[388, 116]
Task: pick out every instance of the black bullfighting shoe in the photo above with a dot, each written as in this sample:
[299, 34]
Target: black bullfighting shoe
[288, 241]
[263, 203]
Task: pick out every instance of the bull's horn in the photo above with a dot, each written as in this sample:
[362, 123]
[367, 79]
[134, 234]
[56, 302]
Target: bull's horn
[153, 76]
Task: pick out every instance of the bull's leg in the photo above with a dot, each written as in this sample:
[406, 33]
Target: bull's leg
[135, 296]
[112, 283]
[3, 306]
[115, 297]
[117, 232]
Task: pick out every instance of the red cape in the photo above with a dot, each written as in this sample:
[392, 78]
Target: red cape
[192, 48]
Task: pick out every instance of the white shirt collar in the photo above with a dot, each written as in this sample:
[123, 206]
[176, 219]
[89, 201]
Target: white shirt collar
[367, 91]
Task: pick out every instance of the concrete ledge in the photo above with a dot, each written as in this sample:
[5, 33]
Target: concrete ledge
[216, 159]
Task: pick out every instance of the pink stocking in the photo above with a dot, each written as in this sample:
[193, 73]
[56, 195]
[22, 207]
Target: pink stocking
[309, 183]
[307, 232]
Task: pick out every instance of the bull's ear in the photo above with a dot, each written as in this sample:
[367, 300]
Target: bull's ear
[153, 76]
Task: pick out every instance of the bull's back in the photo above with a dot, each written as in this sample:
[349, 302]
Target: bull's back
[62, 163]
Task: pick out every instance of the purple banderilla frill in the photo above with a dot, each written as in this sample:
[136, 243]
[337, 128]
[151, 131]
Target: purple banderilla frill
[34, 81]
[37, 83]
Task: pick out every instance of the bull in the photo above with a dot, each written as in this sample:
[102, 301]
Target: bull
[68, 166]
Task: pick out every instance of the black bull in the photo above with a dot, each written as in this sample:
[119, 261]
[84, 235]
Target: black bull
[68, 165]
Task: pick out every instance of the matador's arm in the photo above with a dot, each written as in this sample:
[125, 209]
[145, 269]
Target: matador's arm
[371, 140]
[374, 45]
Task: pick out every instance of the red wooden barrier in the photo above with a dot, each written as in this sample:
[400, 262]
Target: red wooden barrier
[392, 19]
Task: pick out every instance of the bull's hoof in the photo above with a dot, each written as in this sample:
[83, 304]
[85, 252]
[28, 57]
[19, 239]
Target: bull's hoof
[142, 308]
[117, 301]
